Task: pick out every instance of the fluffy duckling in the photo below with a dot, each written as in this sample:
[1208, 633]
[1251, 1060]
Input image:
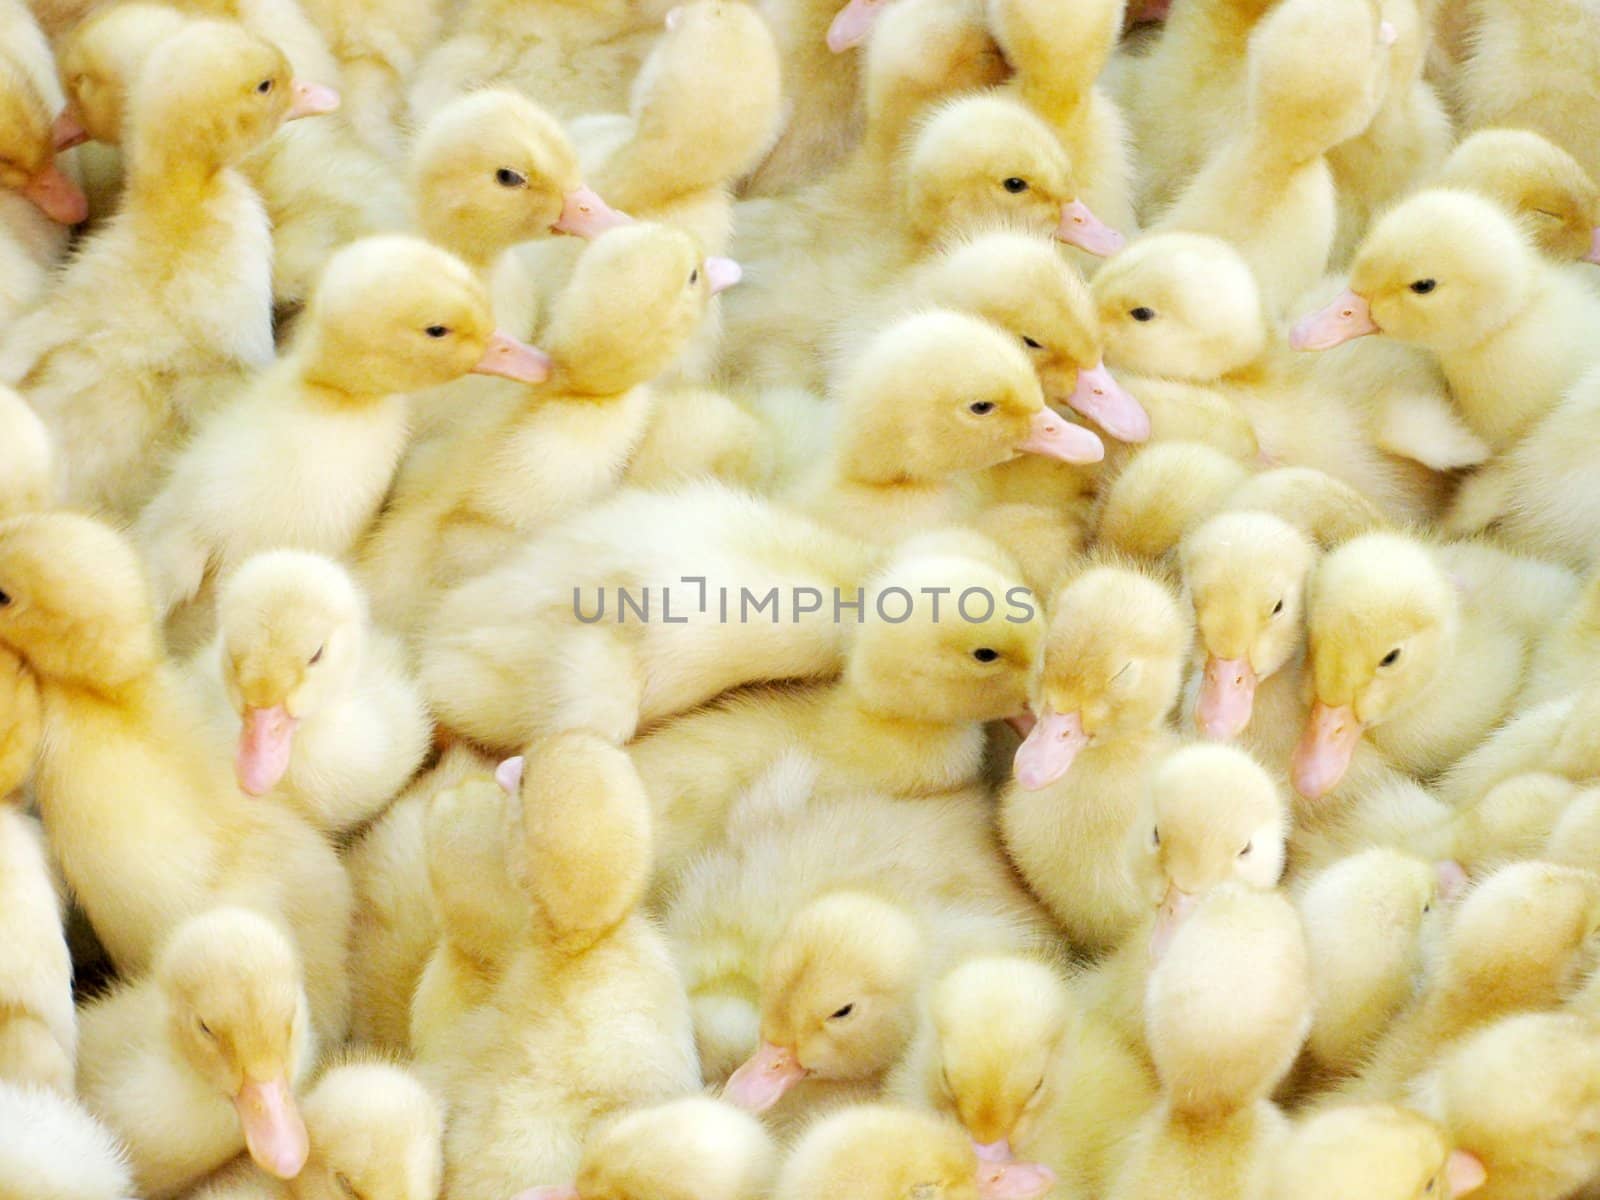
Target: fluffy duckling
[685, 1149]
[1113, 663]
[51, 1149]
[1315, 77]
[27, 462]
[1451, 272]
[178, 285]
[325, 715]
[1538, 181]
[22, 721]
[1046, 1085]
[588, 1016]
[1227, 1010]
[78, 613]
[1548, 736]
[1515, 819]
[1384, 1152]
[390, 315]
[374, 1130]
[492, 654]
[1164, 491]
[634, 302]
[378, 44]
[220, 1031]
[38, 1030]
[934, 397]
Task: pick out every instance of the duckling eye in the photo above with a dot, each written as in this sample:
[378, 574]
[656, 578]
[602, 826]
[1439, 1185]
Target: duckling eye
[985, 655]
[1015, 185]
[1030, 343]
[981, 406]
[1423, 286]
[5, 598]
[508, 178]
[694, 276]
[204, 1029]
[264, 87]
[843, 1013]
[317, 657]
[1389, 659]
[1037, 1088]
[1142, 314]
[437, 331]
[1277, 608]
[1245, 853]
[1155, 835]
[1429, 1188]
[345, 1186]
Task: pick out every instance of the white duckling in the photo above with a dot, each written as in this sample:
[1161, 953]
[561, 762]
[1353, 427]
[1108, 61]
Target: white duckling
[51, 1149]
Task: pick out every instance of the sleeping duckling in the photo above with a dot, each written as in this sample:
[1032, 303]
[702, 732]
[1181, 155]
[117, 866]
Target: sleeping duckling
[1538, 181]
[178, 285]
[27, 461]
[1165, 490]
[305, 456]
[51, 1149]
[38, 1029]
[325, 716]
[1550, 735]
[220, 1031]
[1113, 664]
[1376, 1150]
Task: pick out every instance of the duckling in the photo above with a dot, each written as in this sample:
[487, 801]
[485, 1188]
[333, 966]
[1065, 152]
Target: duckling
[390, 315]
[1451, 272]
[1515, 819]
[1565, 658]
[178, 285]
[1047, 1085]
[1315, 79]
[1576, 834]
[38, 1031]
[325, 715]
[378, 44]
[220, 1031]
[490, 654]
[51, 1149]
[374, 1130]
[1113, 663]
[588, 1016]
[1164, 491]
[27, 463]
[22, 722]
[1549, 735]
[1385, 1152]
[637, 296]
[934, 396]
[695, 1147]
[1227, 1010]
[1538, 181]
[78, 614]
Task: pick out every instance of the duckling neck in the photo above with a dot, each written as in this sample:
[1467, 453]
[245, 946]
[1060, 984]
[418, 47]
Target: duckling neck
[901, 751]
[174, 179]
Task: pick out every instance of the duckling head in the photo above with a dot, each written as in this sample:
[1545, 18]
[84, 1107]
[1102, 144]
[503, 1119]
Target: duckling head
[1181, 306]
[236, 1015]
[1530, 175]
[972, 660]
[492, 169]
[1380, 1150]
[987, 160]
[879, 1152]
[1021, 283]
[836, 997]
[1246, 573]
[1215, 817]
[1443, 269]
[74, 603]
[102, 56]
[27, 458]
[1382, 621]
[28, 148]
[375, 1131]
[1113, 664]
[637, 295]
[938, 394]
[393, 314]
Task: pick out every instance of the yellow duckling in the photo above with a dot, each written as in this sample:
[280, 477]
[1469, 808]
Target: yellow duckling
[378, 44]
[39, 1031]
[51, 1149]
[1548, 736]
[1538, 181]
[1378, 1150]
[27, 461]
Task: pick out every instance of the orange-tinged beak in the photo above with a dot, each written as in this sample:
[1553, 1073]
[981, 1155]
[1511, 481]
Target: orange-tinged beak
[273, 1131]
[1227, 697]
[265, 748]
[1323, 755]
[762, 1081]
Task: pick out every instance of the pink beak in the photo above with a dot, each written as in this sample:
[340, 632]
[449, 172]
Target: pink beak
[1149, 12]
[1014, 1181]
[1226, 698]
[1175, 909]
[508, 358]
[585, 215]
[68, 131]
[1023, 722]
[1052, 435]
[509, 775]
[994, 1152]
[722, 273]
[273, 1131]
[56, 196]
[1049, 750]
[1347, 318]
[264, 749]
[1104, 401]
[1451, 878]
[852, 24]
[1081, 228]
[764, 1078]
[1464, 1172]
[1594, 250]
[674, 17]
[310, 100]
[1325, 749]
[555, 1191]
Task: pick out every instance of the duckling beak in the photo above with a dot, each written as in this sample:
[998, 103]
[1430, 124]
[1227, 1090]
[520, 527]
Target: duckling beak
[56, 196]
[852, 24]
[273, 1131]
[722, 273]
[509, 358]
[1047, 753]
[509, 775]
[585, 215]
[1594, 250]
[1464, 1172]
[1148, 12]
[558, 1191]
[1175, 908]
[1323, 755]
[310, 100]
[1104, 401]
[1451, 879]
[1023, 722]
[68, 131]
[1227, 697]
[1347, 318]
[761, 1082]
[264, 749]
[1014, 1180]
[1081, 228]
[1051, 434]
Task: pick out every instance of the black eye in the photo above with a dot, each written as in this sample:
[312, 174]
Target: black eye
[1014, 185]
[5, 598]
[506, 177]
[1030, 343]
[1427, 908]
[1277, 608]
[694, 276]
[1389, 659]
[1429, 1188]
[345, 1186]
[1037, 1088]
[436, 331]
[1142, 314]
[1155, 835]
[1423, 286]
[1245, 853]
[981, 406]
[264, 87]
[204, 1028]
[317, 657]
[843, 1013]
[985, 655]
